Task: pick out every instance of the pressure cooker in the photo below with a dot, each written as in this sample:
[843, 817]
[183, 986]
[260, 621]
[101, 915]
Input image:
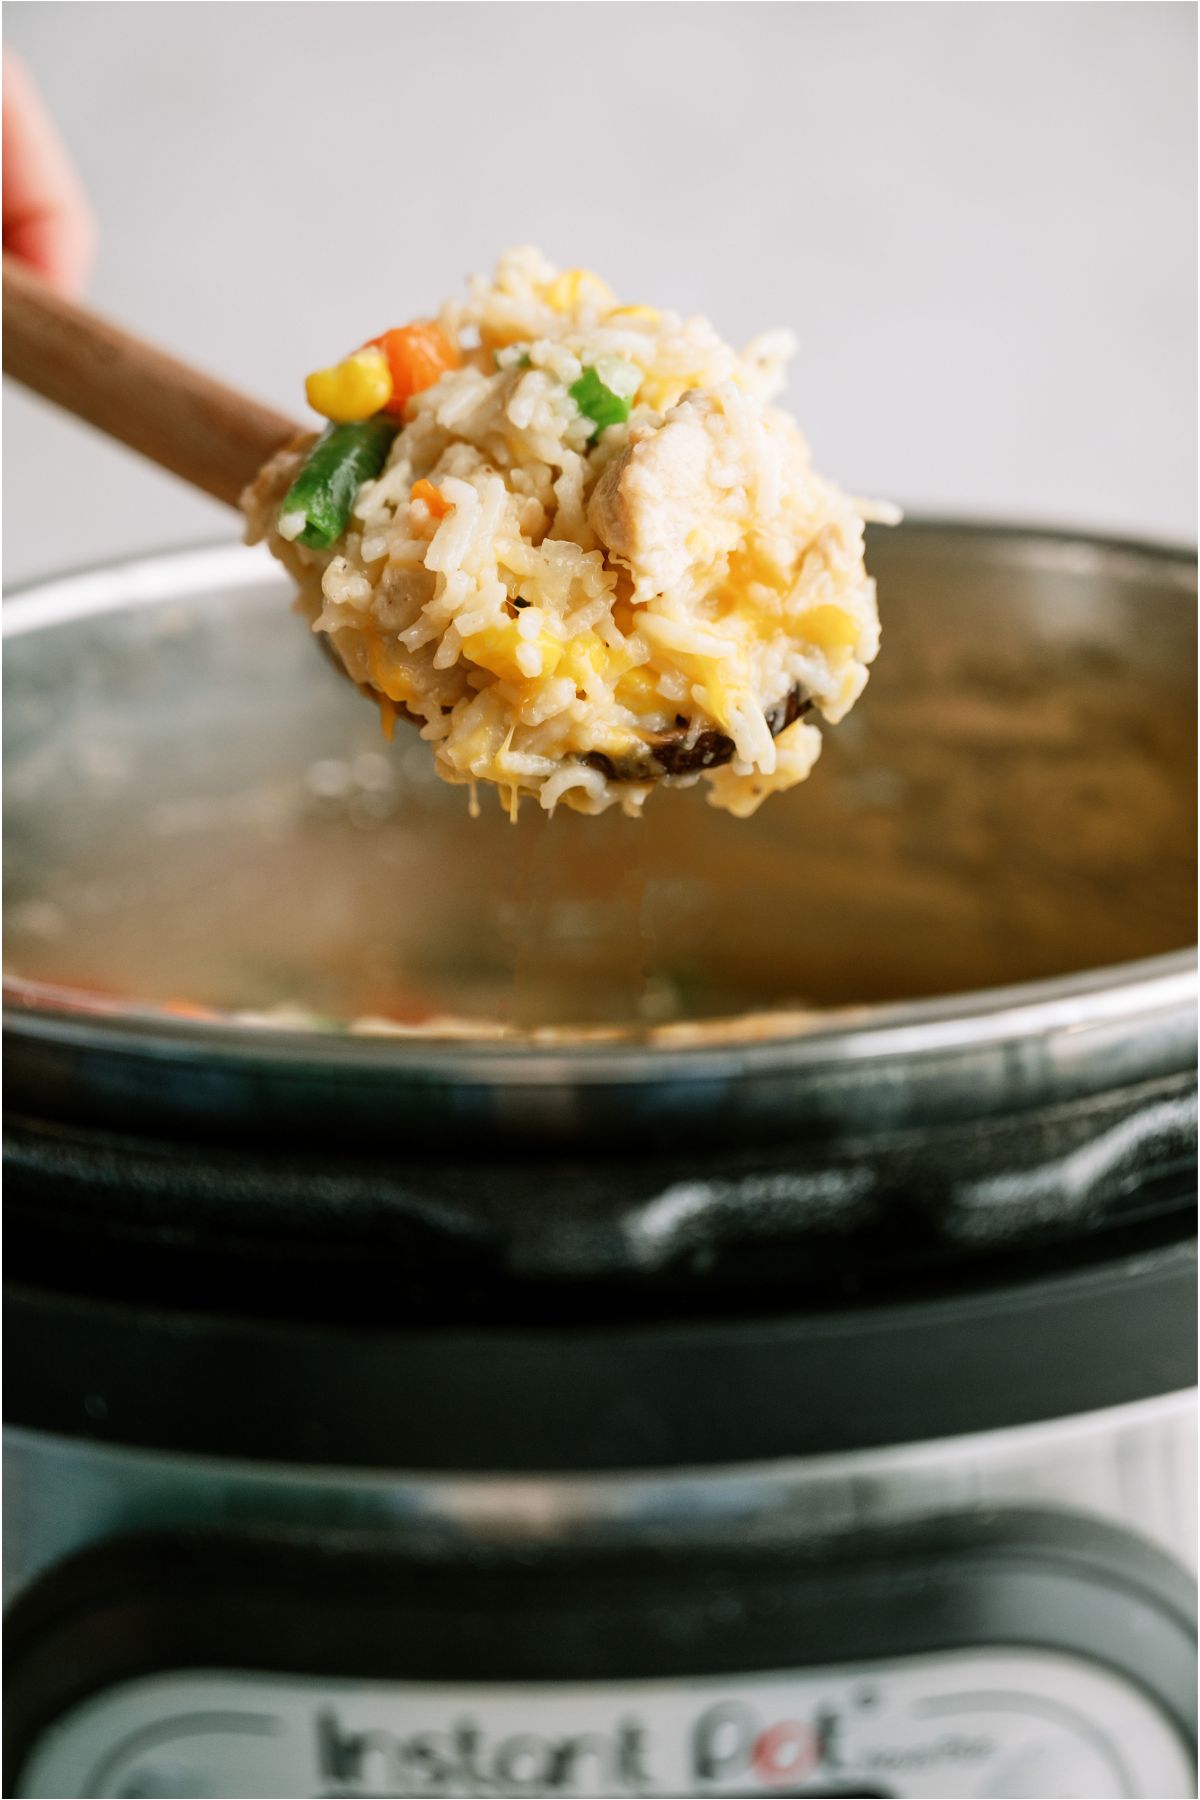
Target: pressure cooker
[679, 1306]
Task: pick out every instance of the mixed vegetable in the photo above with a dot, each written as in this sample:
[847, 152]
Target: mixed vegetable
[604, 392]
[384, 375]
[364, 397]
[316, 508]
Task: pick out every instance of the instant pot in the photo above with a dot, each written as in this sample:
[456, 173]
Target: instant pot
[610, 1308]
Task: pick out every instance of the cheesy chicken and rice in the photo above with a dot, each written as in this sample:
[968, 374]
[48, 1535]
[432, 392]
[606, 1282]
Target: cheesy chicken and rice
[576, 543]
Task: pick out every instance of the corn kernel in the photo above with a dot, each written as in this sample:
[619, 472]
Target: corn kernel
[584, 657]
[634, 315]
[354, 389]
[578, 287]
[662, 391]
[500, 336]
[497, 647]
[494, 648]
[829, 627]
[717, 696]
[638, 690]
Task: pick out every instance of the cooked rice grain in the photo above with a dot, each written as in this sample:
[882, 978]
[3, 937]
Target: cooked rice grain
[684, 570]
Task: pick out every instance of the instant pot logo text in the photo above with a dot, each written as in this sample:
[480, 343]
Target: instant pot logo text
[468, 1760]
[730, 1748]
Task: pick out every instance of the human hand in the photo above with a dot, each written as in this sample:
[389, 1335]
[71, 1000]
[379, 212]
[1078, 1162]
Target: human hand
[48, 222]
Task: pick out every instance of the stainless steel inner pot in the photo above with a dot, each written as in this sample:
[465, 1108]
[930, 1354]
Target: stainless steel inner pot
[987, 884]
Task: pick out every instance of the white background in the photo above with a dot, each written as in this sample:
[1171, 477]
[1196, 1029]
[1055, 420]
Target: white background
[980, 220]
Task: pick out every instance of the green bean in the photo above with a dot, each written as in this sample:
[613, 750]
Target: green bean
[343, 457]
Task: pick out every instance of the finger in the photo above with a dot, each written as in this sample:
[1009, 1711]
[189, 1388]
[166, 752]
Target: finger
[47, 220]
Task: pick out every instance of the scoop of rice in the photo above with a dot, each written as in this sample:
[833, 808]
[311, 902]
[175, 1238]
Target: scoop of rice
[578, 613]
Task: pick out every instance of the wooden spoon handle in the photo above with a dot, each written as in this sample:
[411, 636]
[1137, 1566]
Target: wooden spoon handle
[184, 421]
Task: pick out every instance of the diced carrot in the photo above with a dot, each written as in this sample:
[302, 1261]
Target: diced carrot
[418, 355]
[433, 497]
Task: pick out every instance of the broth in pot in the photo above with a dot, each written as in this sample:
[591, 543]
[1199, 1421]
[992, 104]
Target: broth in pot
[1013, 800]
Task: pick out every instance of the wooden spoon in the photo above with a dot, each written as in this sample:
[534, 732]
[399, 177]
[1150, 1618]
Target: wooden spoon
[184, 421]
[218, 440]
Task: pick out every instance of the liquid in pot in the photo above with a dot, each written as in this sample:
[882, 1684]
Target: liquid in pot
[1013, 799]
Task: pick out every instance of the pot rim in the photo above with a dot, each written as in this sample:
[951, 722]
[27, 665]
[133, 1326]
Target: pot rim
[1121, 997]
[1056, 1008]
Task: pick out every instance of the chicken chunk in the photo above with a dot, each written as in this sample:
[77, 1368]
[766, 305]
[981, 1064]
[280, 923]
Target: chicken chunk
[668, 506]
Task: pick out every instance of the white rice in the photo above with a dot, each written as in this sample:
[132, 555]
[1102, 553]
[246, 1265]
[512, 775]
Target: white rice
[588, 596]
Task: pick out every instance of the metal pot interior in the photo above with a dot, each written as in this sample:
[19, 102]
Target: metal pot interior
[199, 814]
